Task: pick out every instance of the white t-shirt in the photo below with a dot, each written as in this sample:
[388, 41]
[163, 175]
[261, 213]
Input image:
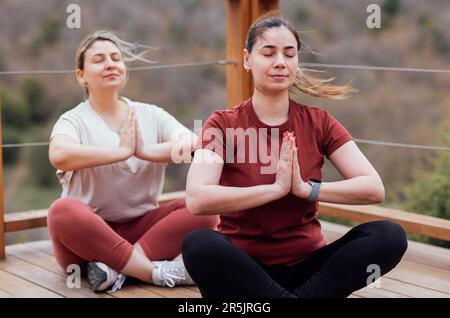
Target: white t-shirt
[124, 190]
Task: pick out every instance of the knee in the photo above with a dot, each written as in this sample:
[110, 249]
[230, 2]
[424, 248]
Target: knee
[392, 236]
[62, 212]
[198, 245]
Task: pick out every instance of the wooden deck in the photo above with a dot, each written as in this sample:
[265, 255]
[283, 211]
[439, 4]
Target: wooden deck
[31, 271]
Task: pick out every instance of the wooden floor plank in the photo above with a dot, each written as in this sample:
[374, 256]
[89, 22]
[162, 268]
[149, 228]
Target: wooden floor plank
[423, 272]
[19, 287]
[428, 255]
[35, 256]
[5, 294]
[418, 252]
[422, 275]
[409, 289]
[377, 293]
[176, 292]
[44, 246]
[135, 291]
[34, 253]
[43, 278]
[48, 262]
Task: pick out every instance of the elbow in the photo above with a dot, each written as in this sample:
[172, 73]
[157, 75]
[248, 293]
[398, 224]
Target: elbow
[377, 194]
[194, 204]
[58, 159]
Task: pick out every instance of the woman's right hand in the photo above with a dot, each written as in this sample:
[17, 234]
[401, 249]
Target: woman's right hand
[284, 171]
[127, 135]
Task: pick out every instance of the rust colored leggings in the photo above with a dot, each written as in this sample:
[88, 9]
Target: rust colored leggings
[79, 235]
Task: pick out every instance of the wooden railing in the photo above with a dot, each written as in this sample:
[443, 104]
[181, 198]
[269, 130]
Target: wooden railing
[240, 15]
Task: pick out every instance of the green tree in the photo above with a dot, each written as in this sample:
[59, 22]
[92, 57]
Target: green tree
[430, 192]
[391, 7]
[389, 10]
[49, 34]
[34, 94]
[14, 109]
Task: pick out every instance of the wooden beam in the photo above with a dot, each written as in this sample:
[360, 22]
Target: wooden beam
[411, 222]
[239, 83]
[25, 220]
[260, 7]
[240, 15]
[2, 208]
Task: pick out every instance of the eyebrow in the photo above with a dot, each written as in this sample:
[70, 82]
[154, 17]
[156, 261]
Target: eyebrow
[274, 47]
[102, 54]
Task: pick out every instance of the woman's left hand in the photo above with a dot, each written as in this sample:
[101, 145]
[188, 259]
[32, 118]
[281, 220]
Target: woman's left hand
[139, 143]
[299, 187]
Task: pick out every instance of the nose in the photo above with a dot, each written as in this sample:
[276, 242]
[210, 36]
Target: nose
[279, 61]
[109, 63]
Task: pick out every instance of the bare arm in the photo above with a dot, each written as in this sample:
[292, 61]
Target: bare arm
[174, 151]
[362, 184]
[204, 195]
[68, 155]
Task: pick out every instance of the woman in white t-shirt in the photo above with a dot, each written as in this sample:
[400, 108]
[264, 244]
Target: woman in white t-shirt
[110, 153]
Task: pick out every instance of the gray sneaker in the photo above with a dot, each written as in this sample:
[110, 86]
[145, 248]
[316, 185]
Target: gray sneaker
[101, 277]
[171, 273]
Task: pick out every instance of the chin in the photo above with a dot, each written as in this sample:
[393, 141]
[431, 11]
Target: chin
[277, 89]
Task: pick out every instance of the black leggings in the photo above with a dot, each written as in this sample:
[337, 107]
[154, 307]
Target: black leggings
[221, 269]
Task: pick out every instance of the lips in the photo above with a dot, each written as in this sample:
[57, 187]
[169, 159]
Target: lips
[278, 76]
[111, 75]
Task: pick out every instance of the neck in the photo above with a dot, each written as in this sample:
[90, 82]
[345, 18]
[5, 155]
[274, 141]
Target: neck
[105, 102]
[271, 107]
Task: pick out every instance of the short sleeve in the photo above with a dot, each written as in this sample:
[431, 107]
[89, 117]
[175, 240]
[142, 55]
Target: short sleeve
[168, 127]
[66, 126]
[212, 135]
[334, 134]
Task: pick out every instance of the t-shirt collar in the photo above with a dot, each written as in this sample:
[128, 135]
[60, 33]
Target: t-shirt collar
[254, 118]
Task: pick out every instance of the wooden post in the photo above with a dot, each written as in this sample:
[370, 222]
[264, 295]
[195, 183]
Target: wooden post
[260, 7]
[2, 212]
[240, 15]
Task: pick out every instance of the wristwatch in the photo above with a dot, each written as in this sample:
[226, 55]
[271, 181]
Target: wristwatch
[315, 184]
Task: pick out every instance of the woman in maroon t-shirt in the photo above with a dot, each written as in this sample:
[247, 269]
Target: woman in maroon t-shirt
[259, 164]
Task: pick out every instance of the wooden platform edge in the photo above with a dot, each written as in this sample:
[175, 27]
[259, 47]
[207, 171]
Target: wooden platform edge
[411, 222]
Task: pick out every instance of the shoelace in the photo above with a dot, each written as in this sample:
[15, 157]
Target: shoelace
[118, 283]
[169, 275]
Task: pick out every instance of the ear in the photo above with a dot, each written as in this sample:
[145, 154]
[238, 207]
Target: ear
[80, 79]
[246, 56]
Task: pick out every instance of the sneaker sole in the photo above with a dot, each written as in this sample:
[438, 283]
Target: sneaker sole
[96, 276]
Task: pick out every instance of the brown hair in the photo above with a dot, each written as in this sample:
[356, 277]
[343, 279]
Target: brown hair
[303, 82]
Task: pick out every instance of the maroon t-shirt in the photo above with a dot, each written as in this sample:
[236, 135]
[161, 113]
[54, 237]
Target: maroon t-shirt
[287, 230]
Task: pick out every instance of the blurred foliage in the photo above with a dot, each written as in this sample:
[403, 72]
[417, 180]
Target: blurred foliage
[177, 32]
[430, 32]
[49, 34]
[389, 10]
[3, 61]
[34, 94]
[14, 109]
[11, 135]
[430, 192]
[301, 16]
[43, 172]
